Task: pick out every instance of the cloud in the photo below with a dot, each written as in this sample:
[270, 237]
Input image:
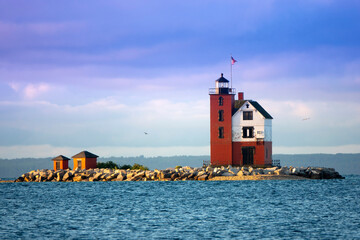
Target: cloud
[15, 86]
[39, 28]
[32, 91]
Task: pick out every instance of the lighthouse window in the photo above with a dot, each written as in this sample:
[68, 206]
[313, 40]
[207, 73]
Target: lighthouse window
[266, 155]
[247, 115]
[248, 132]
[221, 115]
[221, 132]
[221, 101]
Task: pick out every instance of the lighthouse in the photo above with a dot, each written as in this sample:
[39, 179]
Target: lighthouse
[240, 130]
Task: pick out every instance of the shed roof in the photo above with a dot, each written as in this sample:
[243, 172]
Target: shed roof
[85, 154]
[60, 158]
[239, 103]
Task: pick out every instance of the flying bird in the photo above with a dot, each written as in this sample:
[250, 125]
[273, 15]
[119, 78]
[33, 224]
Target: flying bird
[145, 133]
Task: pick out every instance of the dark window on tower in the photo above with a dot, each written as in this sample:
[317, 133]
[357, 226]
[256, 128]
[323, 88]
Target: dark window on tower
[221, 101]
[266, 155]
[221, 115]
[57, 165]
[247, 115]
[221, 132]
[248, 132]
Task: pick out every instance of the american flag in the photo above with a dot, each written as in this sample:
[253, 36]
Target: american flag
[233, 61]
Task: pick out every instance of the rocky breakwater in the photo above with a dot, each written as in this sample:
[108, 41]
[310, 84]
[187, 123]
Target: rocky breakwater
[179, 174]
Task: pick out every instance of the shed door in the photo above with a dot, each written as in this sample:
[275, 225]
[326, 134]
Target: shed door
[79, 164]
[248, 155]
[57, 165]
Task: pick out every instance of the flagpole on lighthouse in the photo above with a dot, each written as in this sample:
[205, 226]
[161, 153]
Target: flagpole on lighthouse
[231, 70]
[232, 62]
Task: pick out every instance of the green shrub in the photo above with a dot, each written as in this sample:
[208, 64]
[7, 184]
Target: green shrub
[112, 165]
[138, 166]
[109, 164]
[125, 166]
[177, 167]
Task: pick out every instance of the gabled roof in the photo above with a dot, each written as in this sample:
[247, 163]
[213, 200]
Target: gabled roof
[239, 103]
[222, 79]
[85, 154]
[60, 158]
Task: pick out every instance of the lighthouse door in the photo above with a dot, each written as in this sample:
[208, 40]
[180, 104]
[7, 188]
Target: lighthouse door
[248, 155]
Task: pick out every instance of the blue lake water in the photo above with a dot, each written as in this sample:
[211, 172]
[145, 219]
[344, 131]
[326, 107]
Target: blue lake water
[308, 209]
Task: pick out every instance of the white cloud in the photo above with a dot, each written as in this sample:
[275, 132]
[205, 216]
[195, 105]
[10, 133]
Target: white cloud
[32, 91]
[15, 86]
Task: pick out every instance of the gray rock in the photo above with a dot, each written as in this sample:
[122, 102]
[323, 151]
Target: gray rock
[51, 176]
[233, 170]
[203, 177]
[97, 176]
[228, 174]
[67, 176]
[240, 173]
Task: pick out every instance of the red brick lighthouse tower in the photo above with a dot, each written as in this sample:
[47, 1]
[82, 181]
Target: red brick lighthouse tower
[221, 105]
[240, 130]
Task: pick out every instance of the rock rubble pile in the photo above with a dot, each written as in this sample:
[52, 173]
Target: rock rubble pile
[171, 174]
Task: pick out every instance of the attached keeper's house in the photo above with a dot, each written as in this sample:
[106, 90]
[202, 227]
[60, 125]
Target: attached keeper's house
[85, 160]
[240, 130]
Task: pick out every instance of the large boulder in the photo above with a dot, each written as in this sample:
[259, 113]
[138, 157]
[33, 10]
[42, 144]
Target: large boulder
[227, 174]
[19, 179]
[77, 178]
[330, 173]
[97, 176]
[68, 176]
[240, 173]
[282, 171]
[59, 175]
[202, 177]
[233, 170]
[112, 176]
[209, 169]
[121, 177]
[51, 176]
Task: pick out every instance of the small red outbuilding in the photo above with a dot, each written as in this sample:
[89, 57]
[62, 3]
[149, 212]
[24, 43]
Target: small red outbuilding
[61, 162]
[85, 160]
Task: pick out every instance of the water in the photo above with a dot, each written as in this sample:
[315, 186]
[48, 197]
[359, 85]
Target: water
[309, 209]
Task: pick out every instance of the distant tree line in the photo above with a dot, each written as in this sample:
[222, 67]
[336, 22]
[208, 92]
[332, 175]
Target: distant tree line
[112, 165]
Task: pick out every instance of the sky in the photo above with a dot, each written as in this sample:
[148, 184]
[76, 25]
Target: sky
[96, 75]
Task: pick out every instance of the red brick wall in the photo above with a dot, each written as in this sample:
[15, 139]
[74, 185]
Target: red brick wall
[259, 154]
[268, 146]
[221, 148]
